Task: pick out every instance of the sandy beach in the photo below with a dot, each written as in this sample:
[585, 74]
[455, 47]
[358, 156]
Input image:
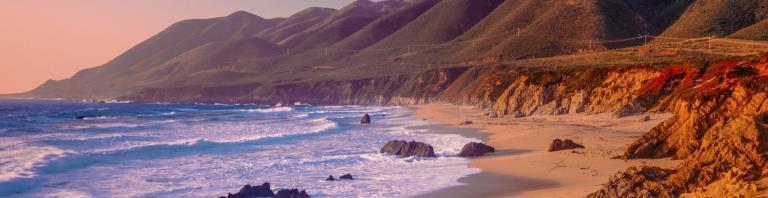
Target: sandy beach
[522, 167]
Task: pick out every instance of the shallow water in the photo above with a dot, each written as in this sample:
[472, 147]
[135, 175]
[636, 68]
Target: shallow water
[171, 150]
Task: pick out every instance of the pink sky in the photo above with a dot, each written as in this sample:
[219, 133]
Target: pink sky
[53, 39]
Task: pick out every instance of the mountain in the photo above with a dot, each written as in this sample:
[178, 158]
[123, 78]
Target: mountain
[391, 37]
[510, 57]
[296, 23]
[446, 20]
[719, 18]
[117, 76]
[758, 31]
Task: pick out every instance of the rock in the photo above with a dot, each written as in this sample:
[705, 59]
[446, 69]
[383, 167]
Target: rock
[408, 149]
[265, 190]
[493, 114]
[473, 149]
[80, 118]
[291, 193]
[366, 119]
[634, 182]
[346, 177]
[646, 119]
[466, 123]
[249, 191]
[559, 144]
[330, 178]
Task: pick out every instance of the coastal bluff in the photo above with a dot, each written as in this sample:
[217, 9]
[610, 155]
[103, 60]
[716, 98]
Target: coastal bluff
[719, 107]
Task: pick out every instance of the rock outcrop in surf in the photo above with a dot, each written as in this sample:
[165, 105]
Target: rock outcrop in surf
[408, 149]
[265, 190]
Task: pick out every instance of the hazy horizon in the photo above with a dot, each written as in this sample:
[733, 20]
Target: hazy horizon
[47, 39]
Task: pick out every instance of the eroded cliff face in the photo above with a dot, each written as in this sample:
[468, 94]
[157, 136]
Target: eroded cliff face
[718, 125]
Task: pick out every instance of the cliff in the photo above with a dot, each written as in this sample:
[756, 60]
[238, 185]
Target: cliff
[718, 125]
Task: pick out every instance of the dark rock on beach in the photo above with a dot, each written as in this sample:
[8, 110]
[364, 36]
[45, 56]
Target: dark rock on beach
[646, 119]
[474, 149]
[249, 191]
[366, 119]
[330, 178]
[408, 149]
[291, 193]
[559, 144]
[466, 123]
[346, 177]
[80, 118]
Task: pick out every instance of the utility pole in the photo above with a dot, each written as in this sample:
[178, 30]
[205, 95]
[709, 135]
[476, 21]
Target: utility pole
[645, 43]
[518, 32]
[590, 45]
[645, 39]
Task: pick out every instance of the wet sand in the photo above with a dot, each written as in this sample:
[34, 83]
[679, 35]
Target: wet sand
[522, 167]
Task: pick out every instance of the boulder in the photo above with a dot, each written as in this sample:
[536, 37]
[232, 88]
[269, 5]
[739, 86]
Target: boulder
[346, 177]
[473, 149]
[646, 119]
[637, 182]
[291, 193]
[330, 178]
[493, 114]
[249, 191]
[265, 190]
[366, 119]
[80, 118]
[466, 123]
[559, 144]
[408, 149]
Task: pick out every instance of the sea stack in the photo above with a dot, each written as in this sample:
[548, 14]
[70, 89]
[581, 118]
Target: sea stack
[366, 119]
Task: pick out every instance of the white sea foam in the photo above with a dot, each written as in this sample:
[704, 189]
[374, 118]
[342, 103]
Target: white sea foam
[203, 158]
[18, 158]
[102, 125]
[270, 110]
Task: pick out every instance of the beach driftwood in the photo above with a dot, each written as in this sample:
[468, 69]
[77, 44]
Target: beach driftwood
[474, 149]
[366, 119]
[559, 144]
[408, 149]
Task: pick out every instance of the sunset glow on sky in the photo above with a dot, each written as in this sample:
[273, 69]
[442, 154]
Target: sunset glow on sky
[53, 39]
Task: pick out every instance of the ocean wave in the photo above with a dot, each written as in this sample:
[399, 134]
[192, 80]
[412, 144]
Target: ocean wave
[18, 160]
[320, 125]
[100, 118]
[168, 113]
[103, 126]
[269, 110]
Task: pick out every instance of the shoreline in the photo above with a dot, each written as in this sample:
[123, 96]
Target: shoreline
[522, 167]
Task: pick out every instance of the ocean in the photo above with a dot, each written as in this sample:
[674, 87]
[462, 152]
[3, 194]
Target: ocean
[208, 150]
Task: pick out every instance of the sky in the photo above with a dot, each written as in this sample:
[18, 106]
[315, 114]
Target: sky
[53, 39]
